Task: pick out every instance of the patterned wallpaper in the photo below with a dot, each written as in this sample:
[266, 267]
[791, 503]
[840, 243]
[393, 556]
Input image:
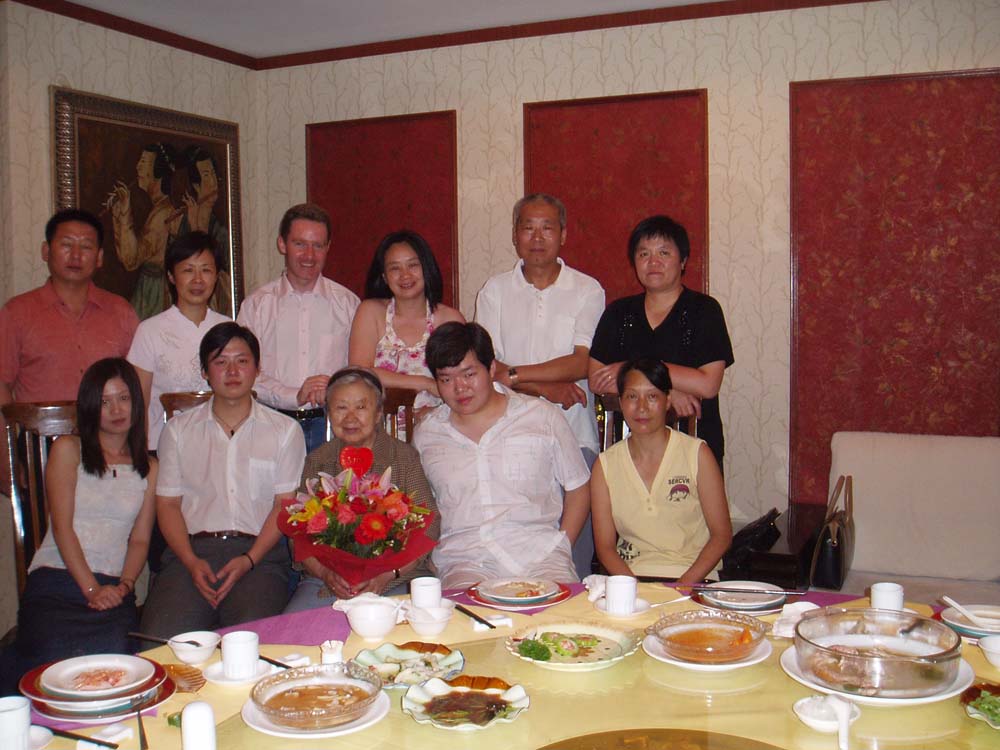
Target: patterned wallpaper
[745, 62]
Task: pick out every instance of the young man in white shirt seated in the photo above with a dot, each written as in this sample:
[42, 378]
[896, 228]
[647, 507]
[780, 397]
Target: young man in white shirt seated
[511, 484]
[229, 464]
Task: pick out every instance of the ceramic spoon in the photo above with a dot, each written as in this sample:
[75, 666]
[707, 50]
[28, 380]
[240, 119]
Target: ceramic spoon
[985, 623]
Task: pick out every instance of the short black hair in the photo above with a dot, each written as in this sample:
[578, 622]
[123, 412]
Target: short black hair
[221, 334]
[89, 398]
[307, 212]
[450, 342]
[187, 246]
[655, 371]
[663, 227]
[376, 286]
[73, 214]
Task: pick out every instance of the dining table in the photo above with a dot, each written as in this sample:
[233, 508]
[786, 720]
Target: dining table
[659, 704]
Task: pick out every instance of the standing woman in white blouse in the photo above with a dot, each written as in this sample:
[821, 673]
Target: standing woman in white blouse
[100, 486]
[165, 348]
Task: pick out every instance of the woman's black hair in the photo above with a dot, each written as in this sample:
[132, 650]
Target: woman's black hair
[663, 227]
[655, 371]
[376, 286]
[88, 415]
[187, 246]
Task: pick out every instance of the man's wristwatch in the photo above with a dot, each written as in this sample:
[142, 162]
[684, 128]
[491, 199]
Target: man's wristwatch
[512, 375]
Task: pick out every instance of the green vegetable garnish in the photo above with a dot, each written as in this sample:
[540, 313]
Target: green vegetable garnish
[988, 704]
[174, 719]
[532, 649]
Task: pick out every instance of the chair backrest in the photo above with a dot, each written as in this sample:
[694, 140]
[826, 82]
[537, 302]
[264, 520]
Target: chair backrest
[398, 410]
[175, 403]
[611, 425]
[30, 430]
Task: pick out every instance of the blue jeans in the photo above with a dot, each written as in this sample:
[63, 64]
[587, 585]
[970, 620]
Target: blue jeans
[315, 431]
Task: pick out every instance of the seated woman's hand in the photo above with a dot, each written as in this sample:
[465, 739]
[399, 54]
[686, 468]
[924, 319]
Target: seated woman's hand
[340, 588]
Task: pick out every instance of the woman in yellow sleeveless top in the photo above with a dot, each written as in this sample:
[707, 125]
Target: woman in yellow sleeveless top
[658, 499]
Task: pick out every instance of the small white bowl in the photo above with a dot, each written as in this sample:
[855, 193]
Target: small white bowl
[991, 649]
[194, 654]
[430, 620]
[372, 621]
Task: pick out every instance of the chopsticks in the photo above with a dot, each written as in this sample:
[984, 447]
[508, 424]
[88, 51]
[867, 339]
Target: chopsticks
[143, 744]
[474, 616]
[85, 738]
[734, 590]
[157, 639]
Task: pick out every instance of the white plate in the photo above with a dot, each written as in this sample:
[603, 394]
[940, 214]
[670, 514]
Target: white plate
[627, 642]
[58, 678]
[652, 646]
[258, 721]
[103, 706]
[418, 696]
[732, 600]
[962, 680]
[961, 623]
[214, 673]
[518, 590]
[38, 737]
[641, 607]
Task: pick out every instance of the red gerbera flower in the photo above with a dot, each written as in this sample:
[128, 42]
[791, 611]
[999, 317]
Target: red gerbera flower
[375, 525]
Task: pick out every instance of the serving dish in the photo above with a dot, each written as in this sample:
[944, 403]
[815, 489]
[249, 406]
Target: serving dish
[877, 652]
[708, 636]
[963, 679]
[127, 672]
[961, 623]
[259, 722]
[319, 696]
[611, 647]
[410, 663]
[743, 601]
[652, 646]
[466, 703]
[518, 590]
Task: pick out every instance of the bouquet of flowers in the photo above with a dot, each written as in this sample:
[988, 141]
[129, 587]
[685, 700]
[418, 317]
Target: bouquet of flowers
[356, 523]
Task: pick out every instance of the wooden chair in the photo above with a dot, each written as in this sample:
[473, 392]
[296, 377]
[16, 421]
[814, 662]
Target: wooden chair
[398, 410]
[175, 403]
[611, 425]
[31, 428]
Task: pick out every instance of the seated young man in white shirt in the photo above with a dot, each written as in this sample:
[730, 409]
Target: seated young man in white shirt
[511, 484]
[229, 464]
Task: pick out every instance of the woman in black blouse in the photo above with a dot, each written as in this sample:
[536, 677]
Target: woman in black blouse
[684, 329]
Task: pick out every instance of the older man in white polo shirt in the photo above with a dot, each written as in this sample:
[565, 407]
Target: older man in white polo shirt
[541, 316]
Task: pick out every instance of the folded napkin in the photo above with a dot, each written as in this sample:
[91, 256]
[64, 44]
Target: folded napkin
[595, 586]
[345, 605]
[784, 626]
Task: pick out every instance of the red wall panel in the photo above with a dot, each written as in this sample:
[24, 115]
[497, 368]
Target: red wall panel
[382, 174]
[614, 161]
[896, 280]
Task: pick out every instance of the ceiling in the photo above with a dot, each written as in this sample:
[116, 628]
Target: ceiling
[266, 28]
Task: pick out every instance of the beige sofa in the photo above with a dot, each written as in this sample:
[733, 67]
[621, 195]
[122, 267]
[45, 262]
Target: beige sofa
[927, 513]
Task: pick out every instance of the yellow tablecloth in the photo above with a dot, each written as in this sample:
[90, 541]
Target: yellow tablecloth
[753, 702]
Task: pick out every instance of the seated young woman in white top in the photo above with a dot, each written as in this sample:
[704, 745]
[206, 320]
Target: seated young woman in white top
[100, 486]
[657, 498]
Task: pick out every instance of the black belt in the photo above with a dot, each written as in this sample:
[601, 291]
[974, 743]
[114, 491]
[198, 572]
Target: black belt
[229, 534]
[300, 415]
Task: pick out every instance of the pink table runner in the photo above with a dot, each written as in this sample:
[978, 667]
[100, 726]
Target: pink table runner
[308, 628]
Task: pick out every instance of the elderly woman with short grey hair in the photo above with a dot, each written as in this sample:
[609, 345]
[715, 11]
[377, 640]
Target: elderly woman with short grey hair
[354, 399]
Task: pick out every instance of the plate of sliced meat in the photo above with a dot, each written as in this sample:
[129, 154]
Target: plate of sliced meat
[96, 676]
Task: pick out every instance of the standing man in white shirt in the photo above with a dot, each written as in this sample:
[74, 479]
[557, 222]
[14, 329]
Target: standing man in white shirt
[541, 316]
[303, 321]
[229, 465]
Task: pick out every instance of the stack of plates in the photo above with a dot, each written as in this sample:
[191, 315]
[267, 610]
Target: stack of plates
[96, 689]
[513, 594]
[751, 602]
[961, 624]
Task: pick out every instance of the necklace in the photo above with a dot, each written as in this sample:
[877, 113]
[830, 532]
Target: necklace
[232, 428]
[109, 454]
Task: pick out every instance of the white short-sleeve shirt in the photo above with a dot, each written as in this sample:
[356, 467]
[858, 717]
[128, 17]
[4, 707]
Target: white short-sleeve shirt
[229, 483]
[501, 499]
[167, 346]
[301, 334]
[530, 325]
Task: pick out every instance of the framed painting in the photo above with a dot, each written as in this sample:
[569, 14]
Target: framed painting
[150, 175]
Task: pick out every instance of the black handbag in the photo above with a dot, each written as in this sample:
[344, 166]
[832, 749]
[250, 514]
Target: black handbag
[834, 547]
[757, 536]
